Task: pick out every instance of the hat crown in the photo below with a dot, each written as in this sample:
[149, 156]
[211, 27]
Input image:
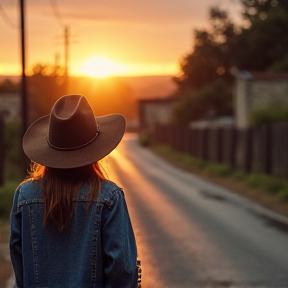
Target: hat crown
[69, 137]
[72, 123]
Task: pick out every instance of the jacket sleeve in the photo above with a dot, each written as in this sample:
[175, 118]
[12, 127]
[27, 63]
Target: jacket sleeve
[119, 246]
[15, 241]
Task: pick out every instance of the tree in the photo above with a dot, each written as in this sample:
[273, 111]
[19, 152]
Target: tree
[210, 101]
[210, 58]
[263, 43]
[275, 110]
[260, 44]
[8, 86]
[205, 82]
[254, 10]
[106, 96]
[46, 85]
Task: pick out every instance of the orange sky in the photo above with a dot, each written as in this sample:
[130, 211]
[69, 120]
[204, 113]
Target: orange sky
[130, 37]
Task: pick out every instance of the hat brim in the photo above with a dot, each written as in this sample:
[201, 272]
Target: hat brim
[37, 149]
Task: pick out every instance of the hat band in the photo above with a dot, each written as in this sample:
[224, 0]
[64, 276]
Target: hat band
[75, 147]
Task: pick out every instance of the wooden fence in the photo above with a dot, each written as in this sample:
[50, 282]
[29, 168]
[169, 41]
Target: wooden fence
[260, 150]
[1, 149]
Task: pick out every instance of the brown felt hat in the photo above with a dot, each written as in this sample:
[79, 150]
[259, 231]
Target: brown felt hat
[71, 136]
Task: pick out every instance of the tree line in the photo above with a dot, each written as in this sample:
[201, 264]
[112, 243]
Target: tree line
[258, 43]
[47, 83]
[205, 83]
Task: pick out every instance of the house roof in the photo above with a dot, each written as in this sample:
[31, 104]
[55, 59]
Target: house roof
[257, 75]
[269, 76]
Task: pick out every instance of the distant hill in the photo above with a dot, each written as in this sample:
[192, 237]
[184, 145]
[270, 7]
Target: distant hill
[13, 78]
[147, 87]
[143, 87]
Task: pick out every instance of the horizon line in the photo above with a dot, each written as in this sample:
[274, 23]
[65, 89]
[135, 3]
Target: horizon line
[110, 76]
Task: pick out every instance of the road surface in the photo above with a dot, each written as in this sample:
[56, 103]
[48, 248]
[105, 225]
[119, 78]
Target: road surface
[191, 233]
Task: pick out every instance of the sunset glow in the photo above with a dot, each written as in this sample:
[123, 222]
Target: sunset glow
[99, 67]
[106, 38]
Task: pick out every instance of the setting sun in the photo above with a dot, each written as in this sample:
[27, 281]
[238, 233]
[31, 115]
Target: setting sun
[99, 67]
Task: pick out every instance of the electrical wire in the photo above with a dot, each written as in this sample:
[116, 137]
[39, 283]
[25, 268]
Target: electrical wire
[56, 12]
[7, 19]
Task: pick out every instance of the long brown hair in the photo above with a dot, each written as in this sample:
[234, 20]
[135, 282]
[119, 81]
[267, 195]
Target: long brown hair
[61, 187]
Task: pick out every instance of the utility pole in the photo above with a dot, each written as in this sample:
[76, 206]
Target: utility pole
[23, 77]
[66, 55]
[23, 82]
[66, 48]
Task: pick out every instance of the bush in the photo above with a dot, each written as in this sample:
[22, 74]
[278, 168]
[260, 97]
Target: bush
[275, 110]
[199, 163]
[266, 182]
[6, 196]
[14, 166]
[274, 185]
[282, 195]
[219, 169]
[238, 175]
[13, 142]
[255, 180]
[196, 104]
[182, 157]
[144, 139]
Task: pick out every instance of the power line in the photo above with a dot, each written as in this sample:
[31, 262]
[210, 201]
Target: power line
[7, 19]
[56, 12]
[60, 20]
[67, 39]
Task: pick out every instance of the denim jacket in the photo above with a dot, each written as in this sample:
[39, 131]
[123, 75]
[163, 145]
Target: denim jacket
[98, 250]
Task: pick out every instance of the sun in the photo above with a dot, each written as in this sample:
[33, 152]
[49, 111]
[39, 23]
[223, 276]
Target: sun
[99, 67]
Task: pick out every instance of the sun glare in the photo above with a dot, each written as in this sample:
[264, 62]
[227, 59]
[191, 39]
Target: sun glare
[99, 67]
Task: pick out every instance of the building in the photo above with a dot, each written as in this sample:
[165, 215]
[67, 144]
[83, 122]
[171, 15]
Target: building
[255, 89]
[10, 105]
[155, 110]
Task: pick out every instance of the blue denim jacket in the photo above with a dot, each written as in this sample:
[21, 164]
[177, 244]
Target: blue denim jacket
[98, 250]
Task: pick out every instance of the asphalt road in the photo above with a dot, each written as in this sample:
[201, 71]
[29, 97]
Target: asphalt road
[191, 233]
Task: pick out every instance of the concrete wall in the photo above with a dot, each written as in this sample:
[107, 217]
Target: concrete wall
[155, 111]
[10, 105]
[241, 109]
[250, 93]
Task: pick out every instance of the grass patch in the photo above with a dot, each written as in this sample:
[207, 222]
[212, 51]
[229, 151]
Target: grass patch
[144, 139]
[255, 180]
[183, 158]
[262, 182]
[282, 195]
[238, 175]
[221, 170]
[6, 196]
[269, 183]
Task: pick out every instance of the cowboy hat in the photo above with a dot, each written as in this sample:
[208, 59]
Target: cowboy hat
[71, 136]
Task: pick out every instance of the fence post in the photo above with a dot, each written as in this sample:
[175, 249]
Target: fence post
[268, 150]
[278, 150]
[243, 152]
[203, 143]
[228, 146]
